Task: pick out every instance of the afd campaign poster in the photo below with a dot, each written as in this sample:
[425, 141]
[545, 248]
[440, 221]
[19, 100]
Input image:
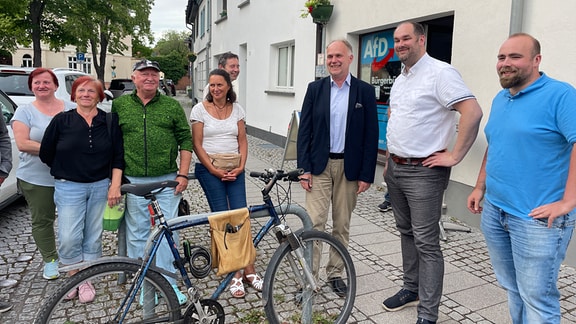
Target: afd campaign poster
[379, 66]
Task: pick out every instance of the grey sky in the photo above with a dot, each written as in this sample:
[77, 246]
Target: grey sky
[168, 15]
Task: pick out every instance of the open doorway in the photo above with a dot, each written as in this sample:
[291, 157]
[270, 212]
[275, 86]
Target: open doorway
[439, 38]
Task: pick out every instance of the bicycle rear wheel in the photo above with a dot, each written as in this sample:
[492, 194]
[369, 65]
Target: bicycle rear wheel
[288, 296]
[155, 301]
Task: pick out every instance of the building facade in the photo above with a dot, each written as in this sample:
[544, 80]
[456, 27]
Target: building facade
[280, 53]
[117, 65]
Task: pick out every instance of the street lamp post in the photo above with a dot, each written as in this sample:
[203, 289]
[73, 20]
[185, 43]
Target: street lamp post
[113, 68]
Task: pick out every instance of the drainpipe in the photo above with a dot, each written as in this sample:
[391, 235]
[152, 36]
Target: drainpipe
[516, 16]
[209, 43]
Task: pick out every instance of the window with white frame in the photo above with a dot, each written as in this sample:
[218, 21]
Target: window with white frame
[201, 76]
[26, 60]
[84, 66]
[285, 65]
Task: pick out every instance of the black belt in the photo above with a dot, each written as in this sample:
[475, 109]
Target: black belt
[336, 156]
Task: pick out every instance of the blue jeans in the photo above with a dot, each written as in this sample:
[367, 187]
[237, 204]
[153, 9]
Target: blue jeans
[137, 221]
[221, 195]
[416, 194]
[80, 209]
[526, 257]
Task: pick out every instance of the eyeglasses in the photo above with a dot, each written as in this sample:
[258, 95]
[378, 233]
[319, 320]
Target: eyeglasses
[143, 64]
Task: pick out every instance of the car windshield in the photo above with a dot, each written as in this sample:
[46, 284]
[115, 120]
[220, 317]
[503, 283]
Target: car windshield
[15, 84]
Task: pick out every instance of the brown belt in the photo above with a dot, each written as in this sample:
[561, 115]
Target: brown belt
[410, 161]
[406, 161]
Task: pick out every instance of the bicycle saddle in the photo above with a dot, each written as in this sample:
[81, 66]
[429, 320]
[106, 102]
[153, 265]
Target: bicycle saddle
[143, 189]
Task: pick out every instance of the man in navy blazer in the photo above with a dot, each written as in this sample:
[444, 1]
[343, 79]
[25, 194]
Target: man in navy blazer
[337, 147]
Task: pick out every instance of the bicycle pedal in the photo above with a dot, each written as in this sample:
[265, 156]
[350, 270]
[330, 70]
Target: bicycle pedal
[193, 294]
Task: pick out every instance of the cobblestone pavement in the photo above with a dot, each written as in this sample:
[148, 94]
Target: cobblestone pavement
[471, 294]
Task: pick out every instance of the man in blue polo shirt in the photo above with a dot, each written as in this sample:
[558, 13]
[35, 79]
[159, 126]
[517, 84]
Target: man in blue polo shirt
[528, 180]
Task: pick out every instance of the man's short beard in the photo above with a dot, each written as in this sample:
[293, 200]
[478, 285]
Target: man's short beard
[509, 82]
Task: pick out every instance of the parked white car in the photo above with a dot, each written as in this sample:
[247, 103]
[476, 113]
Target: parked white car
[8, 190]
[14, 82]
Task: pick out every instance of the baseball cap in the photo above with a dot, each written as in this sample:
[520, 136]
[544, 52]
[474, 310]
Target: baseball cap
[145, 64]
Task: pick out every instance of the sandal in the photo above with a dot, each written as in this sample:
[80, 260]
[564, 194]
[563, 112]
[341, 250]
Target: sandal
[86, 292]
[237, 288]
[254, 280]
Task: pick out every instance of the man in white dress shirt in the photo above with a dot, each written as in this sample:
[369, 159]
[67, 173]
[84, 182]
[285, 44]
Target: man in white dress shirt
[423, 104]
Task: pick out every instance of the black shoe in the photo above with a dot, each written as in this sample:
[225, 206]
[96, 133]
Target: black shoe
[385, 206]
[4, 307]
[338, 286]
[403, 298]
[424, 321]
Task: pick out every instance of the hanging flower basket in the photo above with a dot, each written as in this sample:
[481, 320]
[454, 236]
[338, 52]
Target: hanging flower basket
[320, 10]
[322, 13]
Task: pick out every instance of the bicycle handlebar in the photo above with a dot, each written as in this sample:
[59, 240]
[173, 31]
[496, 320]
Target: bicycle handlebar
[270, 177]
[278, 174]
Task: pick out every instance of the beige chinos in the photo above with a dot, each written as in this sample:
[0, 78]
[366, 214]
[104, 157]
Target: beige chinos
[331, 186]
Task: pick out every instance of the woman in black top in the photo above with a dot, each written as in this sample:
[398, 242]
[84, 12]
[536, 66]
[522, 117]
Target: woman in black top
[83, 152]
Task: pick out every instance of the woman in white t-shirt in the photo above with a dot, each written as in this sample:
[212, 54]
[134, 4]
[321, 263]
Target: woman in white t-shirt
[33, 176]
[218, 128]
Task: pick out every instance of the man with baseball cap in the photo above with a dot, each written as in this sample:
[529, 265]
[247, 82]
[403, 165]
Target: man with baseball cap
[155, 130]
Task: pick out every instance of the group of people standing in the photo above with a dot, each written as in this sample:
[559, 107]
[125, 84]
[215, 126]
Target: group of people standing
[528, 175]
[67, 157]
[73, 158]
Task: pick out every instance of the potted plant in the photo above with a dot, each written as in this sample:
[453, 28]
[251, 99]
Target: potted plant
[320, 10]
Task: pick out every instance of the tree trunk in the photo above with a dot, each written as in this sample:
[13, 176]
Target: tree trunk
[36, 10]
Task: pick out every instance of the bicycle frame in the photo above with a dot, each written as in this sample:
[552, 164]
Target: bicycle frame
[165, 228]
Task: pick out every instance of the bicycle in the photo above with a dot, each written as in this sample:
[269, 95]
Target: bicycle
[296, 283]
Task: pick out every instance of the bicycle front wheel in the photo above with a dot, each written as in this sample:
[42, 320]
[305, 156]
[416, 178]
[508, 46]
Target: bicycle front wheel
[289, 297]
[154, 302]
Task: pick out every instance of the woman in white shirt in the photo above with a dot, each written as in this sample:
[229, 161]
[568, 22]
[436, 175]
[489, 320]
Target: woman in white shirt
[218, 128]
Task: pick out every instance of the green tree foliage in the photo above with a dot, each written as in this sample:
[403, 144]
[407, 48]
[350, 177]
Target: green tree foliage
[171, 51]
[172, 41]
[172, 66]
[12, 19]
[140, 50]
[33, 21]
[104, 25]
